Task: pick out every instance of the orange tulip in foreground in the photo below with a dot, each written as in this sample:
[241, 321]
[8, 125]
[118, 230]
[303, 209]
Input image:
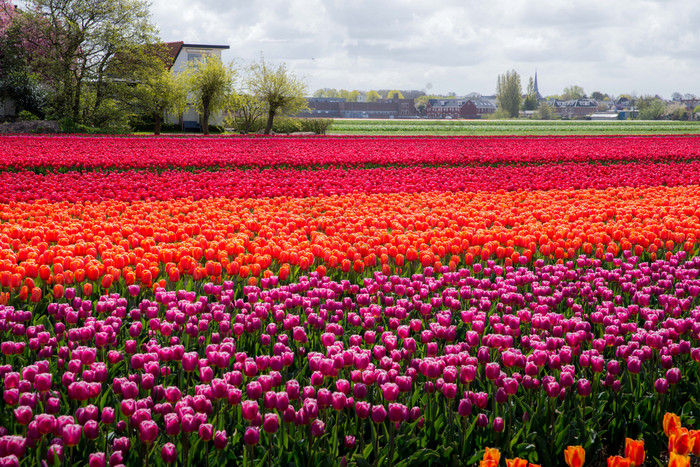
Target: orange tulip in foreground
[680, 442]
[634, 450]
[671, 423]
[677, 460]
[619, 461]
[574, 456]
[695, 437]
[517, 462]
[492, 457]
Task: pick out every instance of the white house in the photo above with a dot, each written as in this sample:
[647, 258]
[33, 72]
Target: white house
[182, 54]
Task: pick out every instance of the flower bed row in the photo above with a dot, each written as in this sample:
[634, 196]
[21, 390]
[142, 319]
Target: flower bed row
[43, 244]
[71, 153]
[98, 186]
[425, 368]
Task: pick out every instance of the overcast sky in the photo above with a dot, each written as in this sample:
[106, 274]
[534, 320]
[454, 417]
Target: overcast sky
[613, 46]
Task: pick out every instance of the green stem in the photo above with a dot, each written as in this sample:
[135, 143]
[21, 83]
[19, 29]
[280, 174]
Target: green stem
[392, 429]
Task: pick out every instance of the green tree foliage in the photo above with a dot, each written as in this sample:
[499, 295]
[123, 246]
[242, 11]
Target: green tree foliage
[421, 103]
[394, 95]
[17, 81]
[246, 112]
[508, 93]
[599, 96]
[545, 112]
[159, 93]
[530, 101]
[676, 111]
[353, 95]
[279, 88]
[573, 92]
[79, 40]
[209, 83]
[650, 108]
[373, 96]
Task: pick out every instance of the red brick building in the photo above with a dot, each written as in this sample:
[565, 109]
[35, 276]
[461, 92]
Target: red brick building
[459, 108]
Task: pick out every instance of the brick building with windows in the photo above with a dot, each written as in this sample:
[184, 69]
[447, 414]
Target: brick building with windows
[459, 108]
[330, 107]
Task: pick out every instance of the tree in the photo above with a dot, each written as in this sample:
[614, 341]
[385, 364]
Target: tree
[209, 82]
[530, 101]
[508, 92]
[280, 89]
[650, 108]
[79, 39]
[373, 96]
[676, 111]
[421, 104]
[160, 92]
[597, 95]
[17, 81]
[320, 93]
[545, 112]
[352, 97]
[394, 95]
[573, 92]
[248, 111]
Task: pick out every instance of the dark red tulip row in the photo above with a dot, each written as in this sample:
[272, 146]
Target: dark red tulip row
[76, 153]
[274, 182]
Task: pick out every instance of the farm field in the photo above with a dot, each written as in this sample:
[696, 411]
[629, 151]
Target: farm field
[350, 300]
[510, 127]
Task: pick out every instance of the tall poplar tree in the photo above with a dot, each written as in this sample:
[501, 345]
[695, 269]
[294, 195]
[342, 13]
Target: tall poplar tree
[508, 92]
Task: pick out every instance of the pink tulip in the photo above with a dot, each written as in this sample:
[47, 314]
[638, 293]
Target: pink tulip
[318, 428]
[251, 436]
[270, 423]
[71, 435]
[148, 430]
[220, 439]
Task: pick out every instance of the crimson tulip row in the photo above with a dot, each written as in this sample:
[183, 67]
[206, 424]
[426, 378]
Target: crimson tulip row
[71, 153]
[98, 186]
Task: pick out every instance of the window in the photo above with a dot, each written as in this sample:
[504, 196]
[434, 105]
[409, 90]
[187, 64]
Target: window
[192, 56]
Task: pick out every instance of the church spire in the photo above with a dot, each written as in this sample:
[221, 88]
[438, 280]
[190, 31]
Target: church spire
[537, 91]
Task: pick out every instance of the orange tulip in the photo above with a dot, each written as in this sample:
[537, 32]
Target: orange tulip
[574, 456]
[36, 295]
[492, 454]
[517, 462]
[634, 450]
[619, 461]
[676, 460]
[680, 442]
[671, 423]
[695, 437]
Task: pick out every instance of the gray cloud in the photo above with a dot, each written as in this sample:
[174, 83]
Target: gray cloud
[457, 45]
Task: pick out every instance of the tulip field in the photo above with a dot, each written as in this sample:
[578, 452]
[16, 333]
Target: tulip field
[368, 301]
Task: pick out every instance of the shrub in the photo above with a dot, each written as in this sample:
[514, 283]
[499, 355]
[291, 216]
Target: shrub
[26, 116]
[67, 125]
[287, 125]
[317, 125]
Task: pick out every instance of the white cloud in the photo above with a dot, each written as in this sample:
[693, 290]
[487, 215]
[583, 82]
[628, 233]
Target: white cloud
[460, 45]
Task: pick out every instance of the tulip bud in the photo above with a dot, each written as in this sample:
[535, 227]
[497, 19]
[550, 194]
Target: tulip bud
[220, 439]
[251, 436]
[168, 453]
